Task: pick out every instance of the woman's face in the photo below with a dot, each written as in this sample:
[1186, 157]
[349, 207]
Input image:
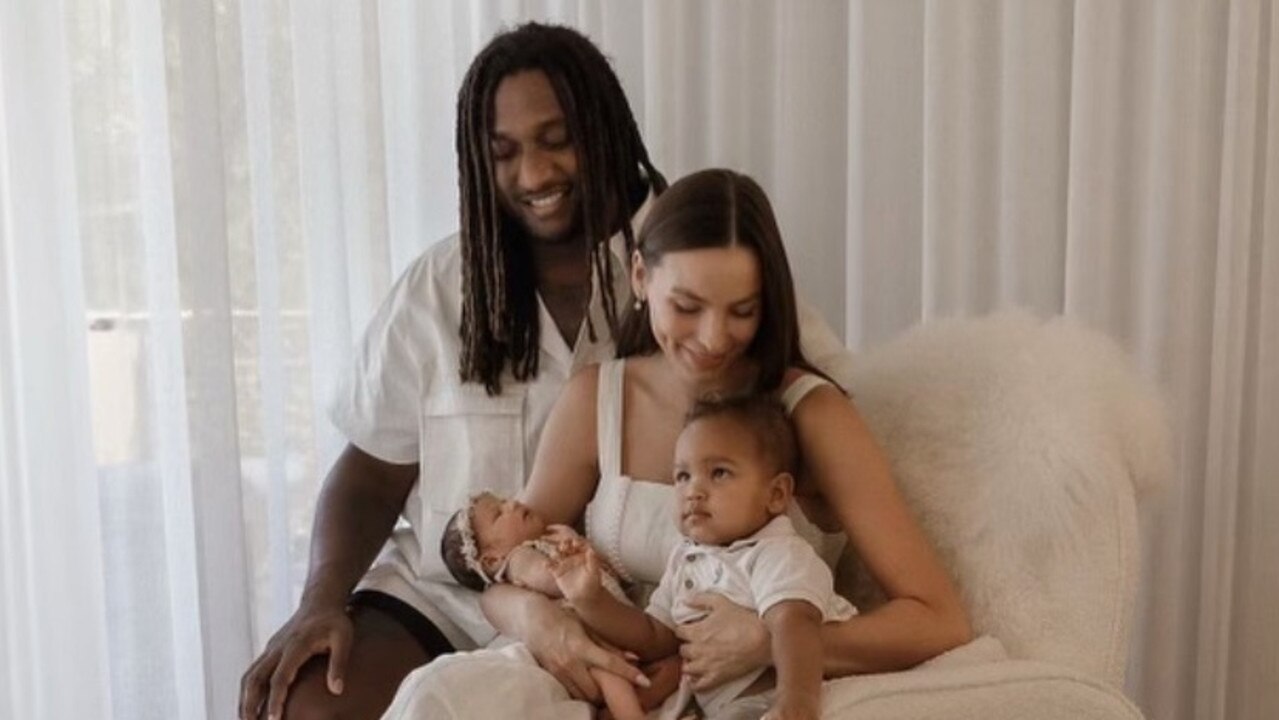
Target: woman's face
[704, 307]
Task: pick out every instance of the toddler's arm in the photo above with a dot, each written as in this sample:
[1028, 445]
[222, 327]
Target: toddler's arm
[795, 626]
[578, 575]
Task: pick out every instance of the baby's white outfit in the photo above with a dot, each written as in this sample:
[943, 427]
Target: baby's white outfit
[551, 551]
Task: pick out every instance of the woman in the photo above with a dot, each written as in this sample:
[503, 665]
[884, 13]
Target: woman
[714, 313]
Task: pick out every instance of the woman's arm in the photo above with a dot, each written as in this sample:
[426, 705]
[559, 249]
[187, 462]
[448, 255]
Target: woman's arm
[564, 476]
[566, 469]
[923, 615]
[555, 638]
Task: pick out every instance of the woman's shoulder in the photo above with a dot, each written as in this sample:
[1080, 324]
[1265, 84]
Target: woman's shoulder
[800, 384]
[587, 373]
[588, 377]
[583, 384]
[794, 374]
[641, 372]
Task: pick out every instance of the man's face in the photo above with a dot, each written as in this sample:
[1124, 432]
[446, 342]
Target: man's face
[534, 159]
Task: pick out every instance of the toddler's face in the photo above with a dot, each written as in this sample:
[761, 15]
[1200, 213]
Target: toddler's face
[725, 491]
[501, 525]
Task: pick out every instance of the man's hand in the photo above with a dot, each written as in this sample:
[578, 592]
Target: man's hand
[562, 647]
[726, 644]
[310, 632]
[357, 508]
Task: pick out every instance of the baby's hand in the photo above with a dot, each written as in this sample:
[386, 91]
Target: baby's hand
[577, 571]
[558, 534]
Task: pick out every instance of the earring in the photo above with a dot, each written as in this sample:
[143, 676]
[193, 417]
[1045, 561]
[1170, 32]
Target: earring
[639, 304]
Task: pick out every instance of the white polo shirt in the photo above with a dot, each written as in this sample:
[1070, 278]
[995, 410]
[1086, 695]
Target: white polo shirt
[771, 566]
[403, 402]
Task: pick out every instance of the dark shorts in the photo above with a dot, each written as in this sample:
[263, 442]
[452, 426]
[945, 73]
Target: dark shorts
[424, 631]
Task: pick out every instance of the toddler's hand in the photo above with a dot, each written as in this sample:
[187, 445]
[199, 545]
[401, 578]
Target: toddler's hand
[577, 571]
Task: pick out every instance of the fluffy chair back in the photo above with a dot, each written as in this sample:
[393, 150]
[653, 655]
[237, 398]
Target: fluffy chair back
[1022, 445]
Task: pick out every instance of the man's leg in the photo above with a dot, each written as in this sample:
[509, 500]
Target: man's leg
[383, 652]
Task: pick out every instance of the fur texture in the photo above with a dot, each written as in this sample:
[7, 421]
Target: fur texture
[1022, 444]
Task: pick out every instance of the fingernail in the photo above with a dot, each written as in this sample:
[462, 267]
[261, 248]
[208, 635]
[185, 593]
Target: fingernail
[337, 686]
[643, 681]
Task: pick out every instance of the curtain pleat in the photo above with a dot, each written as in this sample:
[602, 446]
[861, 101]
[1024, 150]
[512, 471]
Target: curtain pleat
[1240, 236]
[207, 577]
[884, 282]
[161, 547]
[53, 602]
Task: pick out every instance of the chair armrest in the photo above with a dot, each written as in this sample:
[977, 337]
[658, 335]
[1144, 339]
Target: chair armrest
[1001, 690]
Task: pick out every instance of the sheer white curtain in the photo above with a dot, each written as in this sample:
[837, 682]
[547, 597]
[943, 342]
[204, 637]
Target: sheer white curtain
[201, 202]
[1115, 162]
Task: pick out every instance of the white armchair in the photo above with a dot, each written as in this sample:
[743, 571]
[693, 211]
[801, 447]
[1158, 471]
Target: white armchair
[1022, 446]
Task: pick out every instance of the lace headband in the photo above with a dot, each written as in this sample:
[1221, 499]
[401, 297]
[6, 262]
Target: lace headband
[471, 548]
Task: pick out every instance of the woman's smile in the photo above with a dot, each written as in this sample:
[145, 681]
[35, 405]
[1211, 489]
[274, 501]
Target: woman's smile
[705, 308]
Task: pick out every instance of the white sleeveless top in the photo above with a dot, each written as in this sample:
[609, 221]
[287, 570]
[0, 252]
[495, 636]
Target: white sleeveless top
[632, 521]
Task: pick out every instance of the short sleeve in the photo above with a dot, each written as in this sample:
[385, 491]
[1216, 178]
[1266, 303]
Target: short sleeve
[799, 389]
[662, 601]
[789, 569]
[376, 404]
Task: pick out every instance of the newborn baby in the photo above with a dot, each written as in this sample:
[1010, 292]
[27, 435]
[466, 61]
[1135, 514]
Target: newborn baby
[492, 540]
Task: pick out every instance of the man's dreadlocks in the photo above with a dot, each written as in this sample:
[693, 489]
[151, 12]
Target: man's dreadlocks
[499, 310]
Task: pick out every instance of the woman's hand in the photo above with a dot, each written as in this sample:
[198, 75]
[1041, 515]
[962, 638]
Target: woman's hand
[562, 647]
[726, 644]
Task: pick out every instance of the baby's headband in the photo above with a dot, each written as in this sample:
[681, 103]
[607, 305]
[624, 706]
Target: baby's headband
[471, 548]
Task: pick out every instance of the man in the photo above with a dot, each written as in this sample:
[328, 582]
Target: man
[459, 369]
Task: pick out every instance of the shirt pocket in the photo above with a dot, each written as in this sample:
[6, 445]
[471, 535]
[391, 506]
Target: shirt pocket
[471, 442]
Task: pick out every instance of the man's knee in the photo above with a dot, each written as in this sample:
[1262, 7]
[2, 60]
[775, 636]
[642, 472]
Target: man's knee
[309, 697]
[382, 654]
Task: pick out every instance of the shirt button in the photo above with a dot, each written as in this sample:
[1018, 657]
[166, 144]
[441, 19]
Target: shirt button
[688, 583]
